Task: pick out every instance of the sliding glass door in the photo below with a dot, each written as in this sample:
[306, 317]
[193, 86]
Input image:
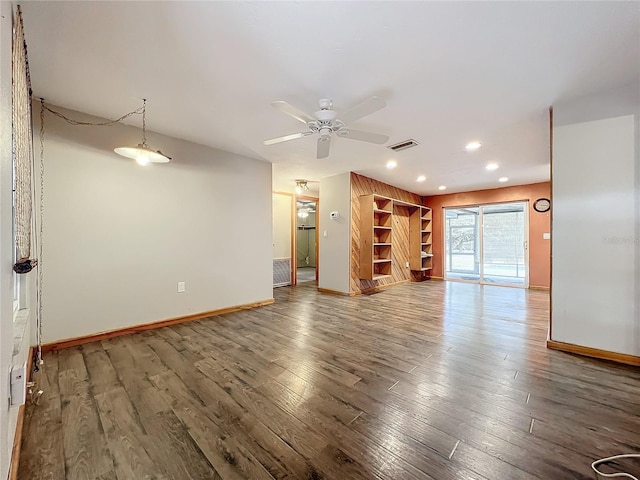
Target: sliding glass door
[487, 244]
[462, 240]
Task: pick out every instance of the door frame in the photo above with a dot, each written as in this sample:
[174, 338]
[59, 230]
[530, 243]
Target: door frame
[480, 242]
[294, 236]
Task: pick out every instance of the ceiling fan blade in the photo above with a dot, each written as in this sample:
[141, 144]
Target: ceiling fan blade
[364, 136]
[323, 147]
[286, 138]
[363, 109]
[292, 111]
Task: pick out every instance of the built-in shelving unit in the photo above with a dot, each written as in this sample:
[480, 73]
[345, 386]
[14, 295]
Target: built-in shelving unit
[375, 237]
[420, 243]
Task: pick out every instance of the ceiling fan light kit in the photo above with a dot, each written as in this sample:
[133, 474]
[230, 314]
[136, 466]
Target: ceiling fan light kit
[301, 186]
[325, 122]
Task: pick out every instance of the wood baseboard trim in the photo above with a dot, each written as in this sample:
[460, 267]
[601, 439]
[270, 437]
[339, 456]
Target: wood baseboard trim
[378, 288]
[594, 353]
[334, 292]
[538, 287]
[440, 279]
[17, 443]
[72, 342]
[17, 438]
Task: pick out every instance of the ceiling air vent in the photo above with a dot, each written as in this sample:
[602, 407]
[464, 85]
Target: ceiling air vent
[403, 145]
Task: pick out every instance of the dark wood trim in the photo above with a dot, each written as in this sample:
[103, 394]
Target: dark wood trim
[538, 287]
[32, 352]
[294, 240]
[550, 221]
[17, 442]
[17, 438]
[72, 342]
[594, 352]
[335, 292]
[317, 240]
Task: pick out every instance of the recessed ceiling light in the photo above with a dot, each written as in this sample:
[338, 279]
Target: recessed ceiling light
[492, 166]
[442, 187]
[503, 179]
[391, 164]
[471, 146]
[421, 178]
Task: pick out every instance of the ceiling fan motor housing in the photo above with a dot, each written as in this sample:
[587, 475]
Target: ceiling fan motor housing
[325, 104]
[325, 121]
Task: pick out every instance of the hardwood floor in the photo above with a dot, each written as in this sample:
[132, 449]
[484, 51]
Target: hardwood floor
[430, 380]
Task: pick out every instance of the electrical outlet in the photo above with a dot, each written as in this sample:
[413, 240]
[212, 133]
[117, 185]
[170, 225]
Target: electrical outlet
[181, 287]
[406, 264]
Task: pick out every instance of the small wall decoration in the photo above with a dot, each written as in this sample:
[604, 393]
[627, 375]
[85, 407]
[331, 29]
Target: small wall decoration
[542, 205]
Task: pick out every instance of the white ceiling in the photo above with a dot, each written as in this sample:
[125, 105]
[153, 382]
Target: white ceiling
[451, 72]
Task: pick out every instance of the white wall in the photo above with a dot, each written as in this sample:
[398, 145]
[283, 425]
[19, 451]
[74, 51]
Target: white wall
[7, 415]
[595, 242]
[282, 215]
[335, 249]
[118, 237]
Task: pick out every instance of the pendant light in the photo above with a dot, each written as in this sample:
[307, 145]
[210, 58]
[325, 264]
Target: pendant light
[301, 186]
[142, 153]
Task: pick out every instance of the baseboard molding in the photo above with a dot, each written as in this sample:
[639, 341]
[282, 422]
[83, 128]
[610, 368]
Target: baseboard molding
[378, 288]
[594, 353]
[17, 438]
[72, 342]
[440, 279]
[17, 443]
[538, 287]
[334, 292]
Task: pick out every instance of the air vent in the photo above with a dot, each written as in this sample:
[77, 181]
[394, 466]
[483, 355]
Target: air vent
[403, 145]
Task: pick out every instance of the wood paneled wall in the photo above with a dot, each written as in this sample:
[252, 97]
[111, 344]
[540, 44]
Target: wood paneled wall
[361, 185]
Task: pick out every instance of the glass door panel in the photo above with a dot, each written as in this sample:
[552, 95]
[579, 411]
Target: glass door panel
[503, 244]
[462, 259]
[487, 244]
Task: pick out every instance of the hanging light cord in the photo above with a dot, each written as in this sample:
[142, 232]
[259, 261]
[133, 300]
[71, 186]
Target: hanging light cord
[38, 241]
[39, 361]
[137, 111]
[144, 123]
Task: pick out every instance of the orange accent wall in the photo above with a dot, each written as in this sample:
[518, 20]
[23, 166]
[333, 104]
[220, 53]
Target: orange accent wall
[539, 223]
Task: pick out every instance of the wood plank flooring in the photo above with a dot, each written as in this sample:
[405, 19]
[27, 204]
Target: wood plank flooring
[431, 380]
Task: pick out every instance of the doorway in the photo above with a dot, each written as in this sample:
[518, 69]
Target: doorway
[306, 239]
[488, 244]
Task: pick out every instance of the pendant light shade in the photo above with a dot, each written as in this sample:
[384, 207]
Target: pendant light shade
[142, 153]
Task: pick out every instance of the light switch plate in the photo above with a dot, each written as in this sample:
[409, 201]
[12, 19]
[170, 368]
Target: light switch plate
[546, 236]
[18, 390]
[181, 287]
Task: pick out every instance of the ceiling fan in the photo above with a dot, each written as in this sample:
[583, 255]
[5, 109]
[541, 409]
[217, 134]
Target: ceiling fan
[325, 121]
